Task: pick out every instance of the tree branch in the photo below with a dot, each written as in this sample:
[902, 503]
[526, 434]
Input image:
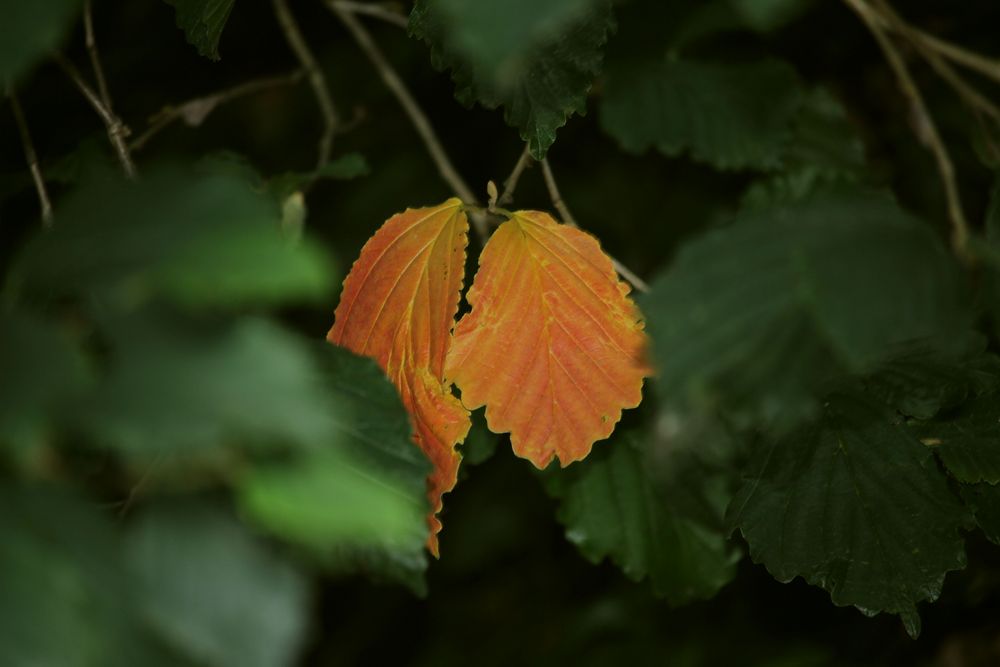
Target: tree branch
[926, 129]
[390, 12]
[515, 175]
[316, 78]
[413, 110]
[31, 157]
[95, 59]
[194, 111]
[557, 201]
[115, 128]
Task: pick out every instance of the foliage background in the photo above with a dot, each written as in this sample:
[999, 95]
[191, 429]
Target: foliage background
[509, 585]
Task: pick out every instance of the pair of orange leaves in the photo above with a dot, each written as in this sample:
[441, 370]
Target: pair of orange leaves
[552, 346]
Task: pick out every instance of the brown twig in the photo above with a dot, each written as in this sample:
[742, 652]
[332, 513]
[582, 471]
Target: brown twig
[316, 79]
[194, 111]
[515, 175]
[115, 128]
[413, 111]
[95, 59]
[31, 157]
[390, 12]
[557, 201]
[926, 129]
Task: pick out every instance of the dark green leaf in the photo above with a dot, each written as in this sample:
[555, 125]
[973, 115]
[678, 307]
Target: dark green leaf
[202, 22]
[345, 167]
[756, 316]
[854, 504]
[41, 370]
[536, 58]
[768, 15]
[29, 31]
[968, 439]
[362, 505]
[198, 238]
[731, 116]
[212, 591]
[984, 501]
[612, 508]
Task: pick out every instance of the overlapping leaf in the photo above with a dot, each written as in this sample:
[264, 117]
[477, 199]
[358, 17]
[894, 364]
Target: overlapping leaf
[202, 22]
[398, 307]
[553, 347]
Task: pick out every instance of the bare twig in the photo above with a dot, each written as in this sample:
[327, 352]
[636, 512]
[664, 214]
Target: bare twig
[115, 128]
[194, 111]
[389, 12]
[926, 129]
[515, 175]
[413, 110]
[550, 181]
[95, 59]
[31, 157]
[316, 79]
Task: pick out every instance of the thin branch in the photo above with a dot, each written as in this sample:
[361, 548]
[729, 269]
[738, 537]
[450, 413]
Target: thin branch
[194, 111]
[511, 183]
[926, 130]
[95, 59]
[390, 12]
[114, 126]
[316, 79]
[31, 157]
[557, 201]
[413, 110]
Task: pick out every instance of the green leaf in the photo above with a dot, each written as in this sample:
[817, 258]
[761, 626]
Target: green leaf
[63, 597]
[202, 22]
[351, 165]
[854, 504]
[361, 505]
[536, 58]
[984, 501]
[198, 238]
[769, 15]
[967, 439]
[213, 591]
[757, 316]
[733, 116]
[184, 389]
[611, 507]
[824, 151]
[41, 371]
[29, 31]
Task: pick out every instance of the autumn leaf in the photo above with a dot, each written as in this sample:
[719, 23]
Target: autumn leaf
[398, 307]
[553, 347]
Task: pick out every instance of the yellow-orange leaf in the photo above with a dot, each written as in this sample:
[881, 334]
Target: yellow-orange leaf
[398, 307]
[553, 347]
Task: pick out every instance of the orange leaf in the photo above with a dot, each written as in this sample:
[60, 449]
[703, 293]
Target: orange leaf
[553, 346]
[398, 307]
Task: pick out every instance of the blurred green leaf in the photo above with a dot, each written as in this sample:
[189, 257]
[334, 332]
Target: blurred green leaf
[198, 238]
[612, 508]
[854, 504]
[756, 316]
[732, 116]
[182, 388]
[345, 167]
[30, 31]
[968, 439]
[363, 504]
[536, 58]
[768, 15]
[202, 22]
[63, 597]
[823, 152]
[41, 371]
[214, 592]
[480, 444]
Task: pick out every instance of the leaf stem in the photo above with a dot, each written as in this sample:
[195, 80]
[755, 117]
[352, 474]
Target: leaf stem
[293, 35]
[413, 111]
[511, 183]
[557, 201]
[31, 157]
